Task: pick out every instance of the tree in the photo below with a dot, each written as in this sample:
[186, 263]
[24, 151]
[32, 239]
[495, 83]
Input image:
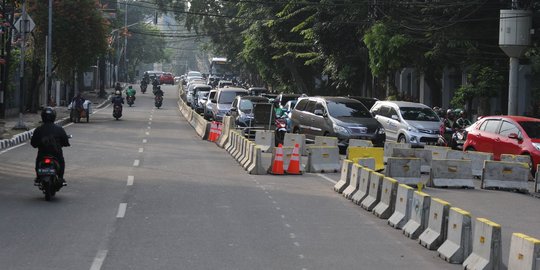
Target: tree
[483, 82]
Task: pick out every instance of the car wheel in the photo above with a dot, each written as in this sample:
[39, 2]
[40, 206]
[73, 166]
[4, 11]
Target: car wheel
[402, 139]
[470, 148]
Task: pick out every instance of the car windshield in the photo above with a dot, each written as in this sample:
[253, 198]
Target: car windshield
[419, 114]
[532, 128]
[194, 73]
[227, 97]
[347, 109]
[245, 106]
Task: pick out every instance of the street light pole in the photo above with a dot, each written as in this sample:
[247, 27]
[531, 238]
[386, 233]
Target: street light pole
[125, 44]
[24, 23]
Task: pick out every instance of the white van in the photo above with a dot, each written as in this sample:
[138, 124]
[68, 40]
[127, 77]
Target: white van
[407, 122]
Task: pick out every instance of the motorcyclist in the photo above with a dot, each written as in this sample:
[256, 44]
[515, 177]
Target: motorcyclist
[158, 91]
[117, 99]
[78, 102]
[462, 122]
[155, 84]
[146, 78]
[118, 87]
[450, 119]
[130, 92]
[49, 139]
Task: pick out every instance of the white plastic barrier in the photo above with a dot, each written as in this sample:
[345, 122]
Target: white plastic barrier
[402, 211]
[353, 182]
[291, 139]
[374, 194]
[435, 233]
[367, 162]
[363, 186]
[326, 141]
[516, 158]
[458, 245]
[389, 148]
[451, 173]
[477, 159]
[506, 175]
[405, 170]
[385, 207]
[437, 152]
[419, 215]
[487, 246]
[423, 154]
[323, 159]
[524, 253]
[256, 167]
[265, 139]
[346, 169]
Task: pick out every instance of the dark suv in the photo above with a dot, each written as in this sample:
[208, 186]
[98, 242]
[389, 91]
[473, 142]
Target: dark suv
[340, 117]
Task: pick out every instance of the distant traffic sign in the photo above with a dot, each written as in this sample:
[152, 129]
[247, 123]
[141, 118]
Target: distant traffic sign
[27, 25]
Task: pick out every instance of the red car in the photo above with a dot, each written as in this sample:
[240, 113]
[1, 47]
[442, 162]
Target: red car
[166, 78]
[517, 135]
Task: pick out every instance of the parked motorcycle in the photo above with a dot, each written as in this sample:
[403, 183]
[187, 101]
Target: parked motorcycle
[143, 87]
[158, 101]
[130, 100]
[117, 111]
[47, 173]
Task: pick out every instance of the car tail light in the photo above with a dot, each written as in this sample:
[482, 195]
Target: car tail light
[47, 161]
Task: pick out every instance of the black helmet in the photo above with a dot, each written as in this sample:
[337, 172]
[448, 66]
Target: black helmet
[48, 115]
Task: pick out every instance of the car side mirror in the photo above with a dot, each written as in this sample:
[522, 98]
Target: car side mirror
[319, 112]
[233, 109]
[514, 136]
[395, 117]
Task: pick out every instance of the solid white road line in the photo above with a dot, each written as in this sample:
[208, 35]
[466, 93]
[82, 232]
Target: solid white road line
[11, 148]
[99, 259]
[327, 178]
[121, 210]
[136, 163]
[130, 180]
[69, 124]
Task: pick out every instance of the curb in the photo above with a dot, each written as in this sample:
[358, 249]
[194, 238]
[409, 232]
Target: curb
[27, 135]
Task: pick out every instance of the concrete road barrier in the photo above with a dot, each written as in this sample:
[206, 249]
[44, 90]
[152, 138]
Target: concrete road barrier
[358, 142]
[248, 152]
[524, 253]
[374, 194]
[506, 175]
[323, 159]
[256, 166]
[366, 162]
[486, 247]
[477, 159]
[385, 207]
[516, 158]
[236, 145]
[435, 233]
[346, 169]
[230, 139]
[377, 153]
[363, 186]
[438, 152]
[402, 211]
[291, 139]
[389, 148]
[458, 244]
[451, 173]
[265, 139]
[353, 182]
[241, 146]
[405, 170]
[419, 215]
[326, 141]
[228, 124]
[423, 154]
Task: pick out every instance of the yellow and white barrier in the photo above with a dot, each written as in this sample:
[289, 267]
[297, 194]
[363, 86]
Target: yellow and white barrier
[419, 215]
[486, 247]
[437, 152]
[374, 193]
[323, 159]
[343, 183]
[265, 139]
[451, 173]
[402, 211]
[389, 148]
[458, 244]
[377, 153]
[524, 253]
[506, 175]
[353, 182]
[363, 186]
[405, 170]
[435, 233]
[385, 207]
[423, 154]
[326, 141]
[291, 139]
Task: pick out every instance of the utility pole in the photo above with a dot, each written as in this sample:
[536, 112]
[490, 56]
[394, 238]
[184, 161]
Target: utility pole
[48, 80]
[125, 44]
[24, 23]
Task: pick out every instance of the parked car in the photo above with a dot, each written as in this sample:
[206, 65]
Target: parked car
[166, 78]
[340, 117]
[154, 74]
[223, 83]
[223, 99]
[246, 113]
[367, 101]
[202, 98]
[407, 122]
[257, 91]
[193, 75]
[516, 135]
[210, 104]
[195, 89]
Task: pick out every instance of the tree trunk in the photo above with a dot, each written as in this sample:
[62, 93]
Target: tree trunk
[297, 78]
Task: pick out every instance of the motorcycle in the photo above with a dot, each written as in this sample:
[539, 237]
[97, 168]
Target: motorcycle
[130, 100]
[143, 87]
[48, 181]
[158, 100]
[453, 138]
[117, 111]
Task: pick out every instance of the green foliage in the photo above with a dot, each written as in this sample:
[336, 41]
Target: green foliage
[386, 49]
[483, 81]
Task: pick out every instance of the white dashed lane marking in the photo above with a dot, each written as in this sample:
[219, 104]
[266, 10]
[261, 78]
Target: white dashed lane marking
[99, 259]
[130, 180]
[136, 163]
[121, 210]
[144, 141]
[141, 150]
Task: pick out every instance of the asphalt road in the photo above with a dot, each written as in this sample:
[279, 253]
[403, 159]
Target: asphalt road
[145, 192]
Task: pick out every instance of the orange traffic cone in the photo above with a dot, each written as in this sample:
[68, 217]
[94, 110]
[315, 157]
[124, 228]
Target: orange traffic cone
[277, 166]
[294, 163]
[212, 135]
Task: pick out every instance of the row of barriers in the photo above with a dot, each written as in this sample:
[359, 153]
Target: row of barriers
[434, 223]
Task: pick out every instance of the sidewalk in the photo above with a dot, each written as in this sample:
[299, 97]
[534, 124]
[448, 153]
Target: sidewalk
[33, 120]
